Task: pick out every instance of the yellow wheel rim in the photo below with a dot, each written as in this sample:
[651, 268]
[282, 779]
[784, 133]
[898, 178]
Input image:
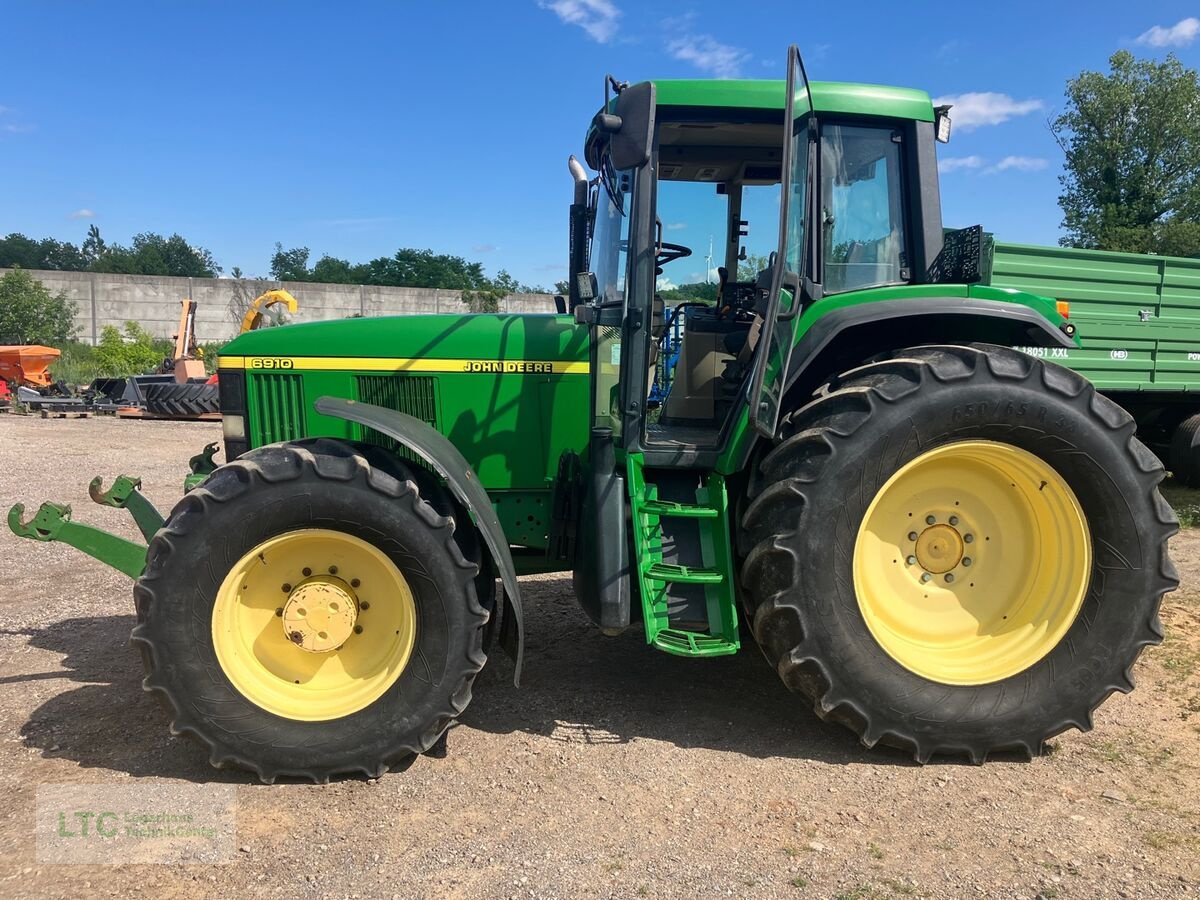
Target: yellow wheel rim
[972, 562]
[314, 624]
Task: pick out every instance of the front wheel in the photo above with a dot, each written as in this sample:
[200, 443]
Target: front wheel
[308, 611]
[958, 550]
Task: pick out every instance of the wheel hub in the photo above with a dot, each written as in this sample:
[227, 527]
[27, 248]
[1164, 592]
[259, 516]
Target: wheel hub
[320, 614]
[939, 549]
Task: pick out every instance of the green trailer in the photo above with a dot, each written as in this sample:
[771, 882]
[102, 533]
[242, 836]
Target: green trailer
[936, 540]
[1138, 320]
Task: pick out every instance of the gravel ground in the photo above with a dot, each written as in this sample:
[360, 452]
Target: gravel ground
[614, 771]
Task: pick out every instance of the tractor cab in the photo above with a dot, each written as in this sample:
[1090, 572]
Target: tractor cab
[688, 233]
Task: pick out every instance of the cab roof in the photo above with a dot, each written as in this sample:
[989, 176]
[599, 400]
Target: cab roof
[827, 97]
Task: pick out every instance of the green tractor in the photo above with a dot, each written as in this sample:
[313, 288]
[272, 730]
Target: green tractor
[944, 544]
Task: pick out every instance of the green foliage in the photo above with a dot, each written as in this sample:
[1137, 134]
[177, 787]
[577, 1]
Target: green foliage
[406, 268]
[153, 254]
[30, 314]
[77, 365]
[149, 254]
[749, 267]
[211, 354]
[484, 301]
[690, 293]
[133, 353]
[1132, 144]
[290, 265]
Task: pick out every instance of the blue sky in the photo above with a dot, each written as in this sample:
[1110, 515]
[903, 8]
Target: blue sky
[357, 128]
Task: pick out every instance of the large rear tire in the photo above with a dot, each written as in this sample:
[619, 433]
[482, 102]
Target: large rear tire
[305, 613]
[957, 550]
[1185, 452]
[182, 400]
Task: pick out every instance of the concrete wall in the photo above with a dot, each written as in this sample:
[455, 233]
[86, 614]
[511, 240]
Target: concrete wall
[153, 301]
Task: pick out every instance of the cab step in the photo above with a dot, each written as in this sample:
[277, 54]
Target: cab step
[678, 619]
[668, 573]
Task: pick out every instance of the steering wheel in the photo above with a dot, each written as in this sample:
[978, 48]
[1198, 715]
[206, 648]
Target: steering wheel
[668, 253]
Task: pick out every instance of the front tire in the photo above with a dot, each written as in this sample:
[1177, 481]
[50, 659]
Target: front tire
[897, 473]
[305, 613]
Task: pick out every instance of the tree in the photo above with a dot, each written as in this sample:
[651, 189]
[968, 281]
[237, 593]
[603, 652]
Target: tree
[94, 246]
[30, 314]
[289, 265]
[1132, 145]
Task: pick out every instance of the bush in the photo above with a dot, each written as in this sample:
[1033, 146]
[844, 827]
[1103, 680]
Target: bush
[133, 353]
[77, 365]
[30, 314]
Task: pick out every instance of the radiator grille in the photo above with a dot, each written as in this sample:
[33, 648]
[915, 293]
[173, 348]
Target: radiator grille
[278, 408]
[415, 395]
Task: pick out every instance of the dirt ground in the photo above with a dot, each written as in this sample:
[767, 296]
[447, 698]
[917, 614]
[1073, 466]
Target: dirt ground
[614, 771]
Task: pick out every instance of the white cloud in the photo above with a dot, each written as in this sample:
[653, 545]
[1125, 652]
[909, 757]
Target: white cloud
[663, 283]
[1180, 34]
[957, 163]
[484, 248]
[676, 226]
[597, 17]
[84, 213]
[972, 110]
[709, 55]
[1020, 164]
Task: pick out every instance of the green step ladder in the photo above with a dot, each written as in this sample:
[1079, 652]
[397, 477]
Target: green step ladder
[655, 577]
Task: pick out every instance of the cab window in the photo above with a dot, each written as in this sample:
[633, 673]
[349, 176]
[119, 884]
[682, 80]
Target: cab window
[862, 201]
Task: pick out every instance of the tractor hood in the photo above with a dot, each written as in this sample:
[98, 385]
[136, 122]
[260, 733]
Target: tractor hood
[414, 342]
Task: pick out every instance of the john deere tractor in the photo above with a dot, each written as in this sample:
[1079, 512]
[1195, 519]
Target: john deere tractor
[943, 543]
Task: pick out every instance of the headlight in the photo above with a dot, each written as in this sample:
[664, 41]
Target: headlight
[233, 427]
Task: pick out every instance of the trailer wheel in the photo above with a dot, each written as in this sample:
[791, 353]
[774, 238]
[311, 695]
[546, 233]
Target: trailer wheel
[1185, 452]
[305, 613]
[958, 550]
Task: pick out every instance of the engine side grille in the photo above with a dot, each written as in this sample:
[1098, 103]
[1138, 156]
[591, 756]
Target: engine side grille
[277, 412]
[415, 395]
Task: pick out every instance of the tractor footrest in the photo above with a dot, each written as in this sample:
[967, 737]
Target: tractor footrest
[682, 510]
[683, 574]
[691, 643]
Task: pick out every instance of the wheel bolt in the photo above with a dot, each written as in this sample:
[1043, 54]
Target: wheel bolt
[929, 520]
[912, 535]
[926, 577]
[333, 570]
[287, 588]
[364, 605]
[306, 571]
[966, 561]
[968, 538]
[354, 582]
[949, 579]
[279, 612]
[912, 560]
[954, 520]
[358, 629]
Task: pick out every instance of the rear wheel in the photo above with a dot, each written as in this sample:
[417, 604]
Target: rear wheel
[306, 613]
[1185, 452]
[957, 549]
[181, 399]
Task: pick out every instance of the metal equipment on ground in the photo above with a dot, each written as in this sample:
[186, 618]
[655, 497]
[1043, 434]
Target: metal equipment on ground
[938, 541]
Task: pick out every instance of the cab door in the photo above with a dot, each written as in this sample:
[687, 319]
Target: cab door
[777, 336]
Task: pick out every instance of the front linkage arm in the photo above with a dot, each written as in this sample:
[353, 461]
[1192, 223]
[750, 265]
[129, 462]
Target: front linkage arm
[53, 523]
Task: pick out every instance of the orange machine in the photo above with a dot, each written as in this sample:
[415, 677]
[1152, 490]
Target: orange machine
[27, 364]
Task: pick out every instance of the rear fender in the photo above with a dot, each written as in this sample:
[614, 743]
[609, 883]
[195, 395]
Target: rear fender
[445, 459]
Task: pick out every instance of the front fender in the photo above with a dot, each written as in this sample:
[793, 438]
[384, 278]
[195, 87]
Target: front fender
[445, 459]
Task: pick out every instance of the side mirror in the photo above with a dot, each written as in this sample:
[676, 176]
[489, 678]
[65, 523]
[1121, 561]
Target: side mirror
[634, 137]
[560, 304]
